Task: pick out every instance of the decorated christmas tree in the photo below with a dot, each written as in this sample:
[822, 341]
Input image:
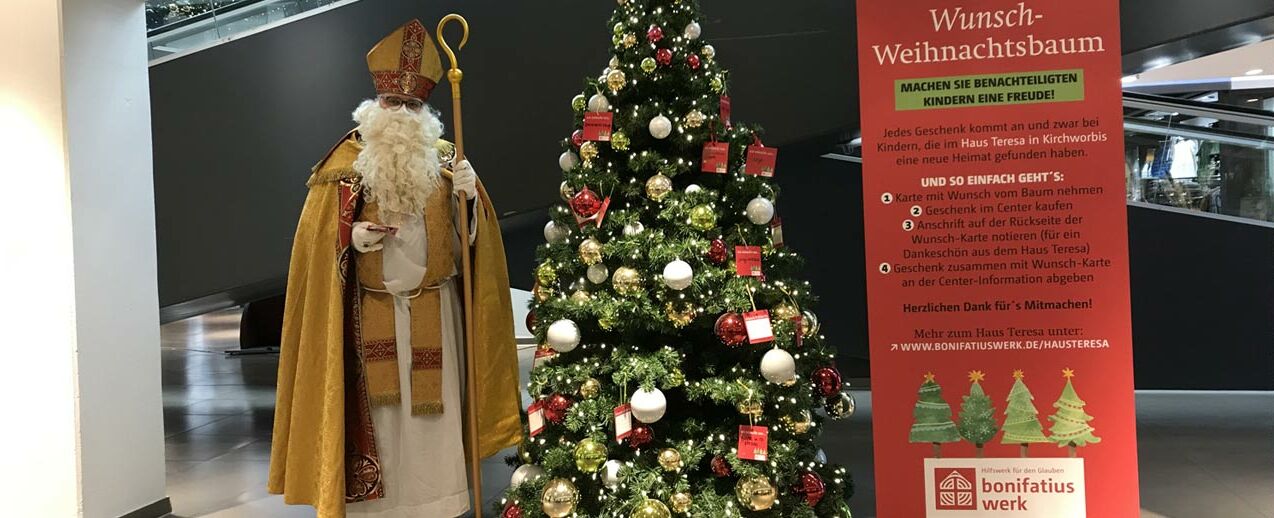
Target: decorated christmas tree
[1070, 423]
[682, 369]
[932, 416]
[977, 416]
[1021, 419]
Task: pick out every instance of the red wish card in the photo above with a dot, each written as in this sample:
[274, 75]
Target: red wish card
[725, 110]
[623, 422]
[597, 126]
[716, 157]
[758, 326]
[776, 232]
[535, 418]
[747, 261]
[754, 443]
[761, 160]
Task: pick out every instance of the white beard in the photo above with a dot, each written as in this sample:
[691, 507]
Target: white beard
[399, 162]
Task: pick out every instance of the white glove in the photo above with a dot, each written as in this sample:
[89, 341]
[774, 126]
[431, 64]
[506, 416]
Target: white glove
[365, 239]
[464, 180]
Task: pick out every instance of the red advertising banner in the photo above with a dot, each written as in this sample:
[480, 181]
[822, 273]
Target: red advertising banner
[997, 243]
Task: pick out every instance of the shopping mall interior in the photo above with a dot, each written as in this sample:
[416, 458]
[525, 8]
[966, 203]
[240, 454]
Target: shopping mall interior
[196, 124]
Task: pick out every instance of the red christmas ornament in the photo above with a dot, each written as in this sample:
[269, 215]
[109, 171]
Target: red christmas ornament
[555, 409]
[585, 203]
[811, 486]
[693, 61]
[663, 56]
[654, 34]
[530, 321]
[640, 436]
[512, 511]
[731, 330]
[827, 381]
[720, 467]
[577, 138]
[717, 252]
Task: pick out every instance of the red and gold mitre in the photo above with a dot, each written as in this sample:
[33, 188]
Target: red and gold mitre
[406, 62]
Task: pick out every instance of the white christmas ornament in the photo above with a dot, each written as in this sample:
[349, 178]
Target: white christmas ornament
[660, 127]
[820, 457]
[633, 228]
[554, 233]
[598, 273]
[563, 336]
[692, 31]
[648, 406]
[678, 275]
[760, 211]
[693, 188]
[567, 161]
[525, 473]
[610, 472]
[777, 366]
[598, 102]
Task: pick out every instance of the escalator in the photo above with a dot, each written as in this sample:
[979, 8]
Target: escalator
[175, 27]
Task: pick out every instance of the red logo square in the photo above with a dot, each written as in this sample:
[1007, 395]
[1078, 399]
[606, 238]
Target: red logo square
[957, 489]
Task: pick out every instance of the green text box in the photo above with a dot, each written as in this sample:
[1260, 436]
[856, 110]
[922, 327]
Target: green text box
[1044, 86]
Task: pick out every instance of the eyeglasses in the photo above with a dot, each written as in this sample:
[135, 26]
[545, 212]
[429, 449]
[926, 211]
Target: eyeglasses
[395, 102]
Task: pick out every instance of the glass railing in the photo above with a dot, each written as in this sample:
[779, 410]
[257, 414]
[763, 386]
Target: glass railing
[1201, 156]
[175, 27]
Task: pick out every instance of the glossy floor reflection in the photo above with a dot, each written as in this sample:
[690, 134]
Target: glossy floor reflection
[1201, 454]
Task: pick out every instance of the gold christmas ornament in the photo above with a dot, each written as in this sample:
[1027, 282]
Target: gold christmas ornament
[580, 296]
[680, 502]
[651, 508]
[617, 40]
[755, 493]
[606, 321]
[617, 29]
[589, 455]
[542, 293]
[566, 191]
[614, 62]
[590, 251]
[559, 498]
[630, 39]
[670, 459]
[587, 152]
[811, 324]
[750, 407]
[680, 314]
[658, 187]
[578, 103]
[717, 84]
[799, 423]
[615, 80]
[523, 454]
[703, 218]
[619, 141]
[648, 65]
[695, 118]
[708, 52]
[626, 280]
[590, 388]
[546, 274]
[784, 311]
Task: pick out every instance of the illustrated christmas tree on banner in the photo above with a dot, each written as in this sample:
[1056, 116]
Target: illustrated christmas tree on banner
[682, 370]
[1021, 418]
[932, 416]
[977, 416]
[1070, 423]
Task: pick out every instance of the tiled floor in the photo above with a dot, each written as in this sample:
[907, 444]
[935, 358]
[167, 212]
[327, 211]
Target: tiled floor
[1202, 455]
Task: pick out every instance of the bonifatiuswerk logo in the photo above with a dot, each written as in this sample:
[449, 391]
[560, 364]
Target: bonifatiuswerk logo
[957, 489]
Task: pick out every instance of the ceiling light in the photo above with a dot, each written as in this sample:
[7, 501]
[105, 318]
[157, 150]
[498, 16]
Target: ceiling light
[1253, 72]
[1252, 100]
[1128, 79]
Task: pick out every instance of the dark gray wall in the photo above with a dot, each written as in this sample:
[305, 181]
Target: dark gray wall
[237, 126]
